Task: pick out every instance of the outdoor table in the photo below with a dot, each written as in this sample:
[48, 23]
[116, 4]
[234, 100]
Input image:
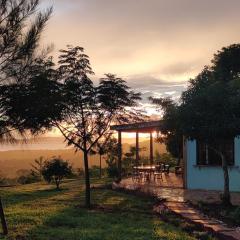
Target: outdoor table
[146, 169]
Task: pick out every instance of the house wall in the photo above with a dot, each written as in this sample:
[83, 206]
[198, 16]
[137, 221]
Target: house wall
[211, 177]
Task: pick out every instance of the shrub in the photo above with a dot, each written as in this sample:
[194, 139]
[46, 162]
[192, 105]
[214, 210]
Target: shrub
[94, 171]
[55, 170]
[167, 158]
[112, 170]
[236, 215]
[25, 176]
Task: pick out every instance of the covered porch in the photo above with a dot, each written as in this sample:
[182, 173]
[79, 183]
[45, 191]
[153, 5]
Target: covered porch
[167, 179]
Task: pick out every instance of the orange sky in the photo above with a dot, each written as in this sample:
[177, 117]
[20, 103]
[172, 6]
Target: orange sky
[156, 45]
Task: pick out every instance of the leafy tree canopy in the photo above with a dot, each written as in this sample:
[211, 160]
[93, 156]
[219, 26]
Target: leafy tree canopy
[55, 170]
[25, 75]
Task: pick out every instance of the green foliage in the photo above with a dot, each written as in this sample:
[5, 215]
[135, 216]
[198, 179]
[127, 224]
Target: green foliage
[210, 107]
[213, 99]
[171, 132]
[27, 179]
[37, 167]
[55, 170]
[21, 26]
[90, 109]
[236, 215]
[25, 176]
[94, 171]
[112, 169]
[111, 158]
[167, 158]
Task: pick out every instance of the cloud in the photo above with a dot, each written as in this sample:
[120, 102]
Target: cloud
[151, 86]
[157, 45]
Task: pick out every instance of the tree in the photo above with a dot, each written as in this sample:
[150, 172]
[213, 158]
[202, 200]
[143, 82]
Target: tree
[101, 148]
[171, 132]
[37, 167]
[21, 25]
[210, 106]
[112, 157]
[55, 170]
[19, 37]
[90, 110]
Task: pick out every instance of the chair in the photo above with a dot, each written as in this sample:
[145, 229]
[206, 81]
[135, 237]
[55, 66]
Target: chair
[158, 173]
[178, 170]
[136, 177]
[166, 168]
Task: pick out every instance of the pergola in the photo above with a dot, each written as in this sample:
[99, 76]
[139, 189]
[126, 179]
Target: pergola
[140, 127]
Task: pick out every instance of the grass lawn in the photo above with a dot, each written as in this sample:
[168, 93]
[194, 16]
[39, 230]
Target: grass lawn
[38, 211]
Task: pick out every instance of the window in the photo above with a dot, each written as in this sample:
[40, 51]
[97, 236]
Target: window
[207, 156]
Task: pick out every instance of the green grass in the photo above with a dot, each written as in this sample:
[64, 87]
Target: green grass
[38, 211]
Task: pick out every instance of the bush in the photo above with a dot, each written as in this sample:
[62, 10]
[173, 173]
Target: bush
[55, 170]
[94, 171]
[236, 215]
[25, 176]
[28, 179]
[167, 158]
[112, 170]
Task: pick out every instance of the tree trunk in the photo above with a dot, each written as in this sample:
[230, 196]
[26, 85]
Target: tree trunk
[100, 165]
[226, 198]
[179, 155]
[3, 221]
[87, 181]
[57, 184]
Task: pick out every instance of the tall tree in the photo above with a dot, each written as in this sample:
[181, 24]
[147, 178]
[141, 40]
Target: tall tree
[90, 110]
[37, 167]
[171, 133]
[21, 24]
[210, 109]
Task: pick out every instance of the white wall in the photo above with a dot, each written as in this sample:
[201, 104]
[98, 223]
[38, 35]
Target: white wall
[211, 177]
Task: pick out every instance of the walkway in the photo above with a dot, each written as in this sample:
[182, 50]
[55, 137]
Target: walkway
[176, 201]
[172, 190]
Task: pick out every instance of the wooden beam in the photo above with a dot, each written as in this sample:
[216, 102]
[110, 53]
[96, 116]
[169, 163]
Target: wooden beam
[151, 148]
[137, 148]
[119, 156]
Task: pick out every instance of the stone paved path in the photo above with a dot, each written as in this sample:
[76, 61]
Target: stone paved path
[176, 194]
[176, 199]
[209, 224]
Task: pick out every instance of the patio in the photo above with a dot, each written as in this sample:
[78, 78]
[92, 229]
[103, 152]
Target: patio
[170, 180]
[171, 190]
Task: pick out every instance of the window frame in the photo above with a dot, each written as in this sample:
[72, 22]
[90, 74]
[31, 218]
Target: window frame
[205, 163]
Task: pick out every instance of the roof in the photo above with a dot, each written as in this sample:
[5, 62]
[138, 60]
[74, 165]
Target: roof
[139, 126]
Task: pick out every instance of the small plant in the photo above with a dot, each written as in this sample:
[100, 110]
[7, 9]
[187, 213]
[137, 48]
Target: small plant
[55, 170]
[112, 170]
[236, 215]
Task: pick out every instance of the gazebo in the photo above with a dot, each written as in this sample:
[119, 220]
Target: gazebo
[140, 127]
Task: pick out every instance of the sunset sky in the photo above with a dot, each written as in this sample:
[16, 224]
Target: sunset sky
[156, 45]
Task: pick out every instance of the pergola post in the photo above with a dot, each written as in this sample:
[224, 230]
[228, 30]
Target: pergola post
[151, 148]
[119, 156]
[137, 148]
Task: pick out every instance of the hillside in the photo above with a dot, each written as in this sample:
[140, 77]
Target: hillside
[13, 160]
